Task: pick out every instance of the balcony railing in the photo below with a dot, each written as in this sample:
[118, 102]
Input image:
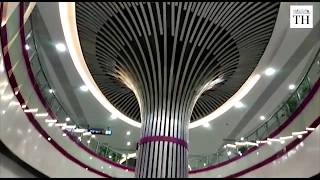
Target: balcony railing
[280, 115]
[62, 115]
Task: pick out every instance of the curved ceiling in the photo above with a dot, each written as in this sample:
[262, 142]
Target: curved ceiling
[130, 48]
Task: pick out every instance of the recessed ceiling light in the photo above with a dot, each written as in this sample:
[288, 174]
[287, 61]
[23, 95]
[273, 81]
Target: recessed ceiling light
[110, 156]
[61, 47]
[101, 167]
[269, 71]
[84, 88]
[29, 130]
[27, 47]
[292, 86]
[64, 134]
[3, 112]
[88, 141]
[206, 125]
[67, 119]
[49, 138]
[262, 118]
[50, 124]
[282, 142]
[90, 157]
[113, 116]
[110, 167]
[204, 164]
[128, 143]
[128, 133]
[242, 138]
[239, 105]
[51, 91]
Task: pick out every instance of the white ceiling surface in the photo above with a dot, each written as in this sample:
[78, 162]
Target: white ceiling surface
[282, 45]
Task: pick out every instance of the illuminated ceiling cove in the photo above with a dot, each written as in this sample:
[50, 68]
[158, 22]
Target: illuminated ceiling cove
[207, 51]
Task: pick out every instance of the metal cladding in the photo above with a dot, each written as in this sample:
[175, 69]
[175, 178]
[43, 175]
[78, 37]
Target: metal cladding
[162, 63]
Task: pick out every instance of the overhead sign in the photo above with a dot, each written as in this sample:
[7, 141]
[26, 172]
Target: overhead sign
[107, 131]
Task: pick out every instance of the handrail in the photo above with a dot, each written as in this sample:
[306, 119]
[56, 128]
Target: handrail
[286, 107]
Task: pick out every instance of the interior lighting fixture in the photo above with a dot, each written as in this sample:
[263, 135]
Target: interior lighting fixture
[84, 88]
[79, 130]
[286, 137]
[31, 110]
[231, 146]
[229, 153]
[269, 142]
[50, 120]
[239, 105]
[262, 118]
[240, 143]
[86, 134]
[60, 124]
[113, 116]
[60, 47]
[41, 115]
[206, 125]
[292, 86]
[273, 140]
[50, 124]
[68, 127]
[269, 71]
[299, 133]
[27, 47]
[310, 129]
[261, 142]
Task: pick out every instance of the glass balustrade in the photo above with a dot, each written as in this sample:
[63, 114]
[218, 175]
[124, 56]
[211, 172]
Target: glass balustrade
[48, 93]
[282, 113]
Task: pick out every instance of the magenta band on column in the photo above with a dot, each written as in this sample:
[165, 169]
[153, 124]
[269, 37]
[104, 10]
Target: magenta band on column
[164, 138]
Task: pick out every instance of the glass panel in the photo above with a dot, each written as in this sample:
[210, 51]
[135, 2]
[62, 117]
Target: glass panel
[304, 88]
[293, 102]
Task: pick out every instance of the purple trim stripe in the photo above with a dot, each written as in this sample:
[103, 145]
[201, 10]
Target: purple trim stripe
[277, 155]
[45, 104]
[163, 138]
[304, 103]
